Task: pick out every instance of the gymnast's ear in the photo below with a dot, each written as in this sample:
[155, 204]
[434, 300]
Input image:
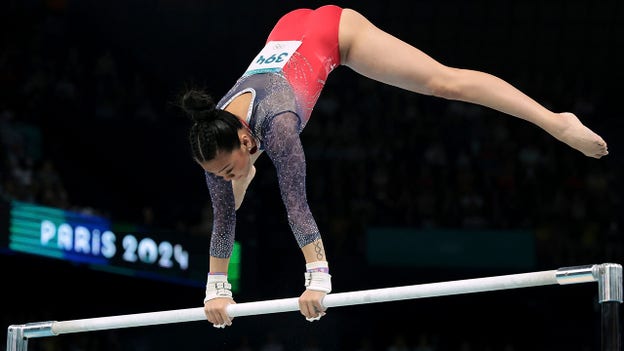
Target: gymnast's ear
[248, 144]
[245, 141]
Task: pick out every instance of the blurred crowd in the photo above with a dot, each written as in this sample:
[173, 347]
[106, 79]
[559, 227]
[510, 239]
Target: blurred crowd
[377, 157]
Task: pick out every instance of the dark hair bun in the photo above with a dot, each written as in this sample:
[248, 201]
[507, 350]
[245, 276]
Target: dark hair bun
[198, 105]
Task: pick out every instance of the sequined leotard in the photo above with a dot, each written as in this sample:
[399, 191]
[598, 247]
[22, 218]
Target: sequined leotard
[285, 80]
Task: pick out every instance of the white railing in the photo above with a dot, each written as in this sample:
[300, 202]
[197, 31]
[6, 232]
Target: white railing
[608, 276]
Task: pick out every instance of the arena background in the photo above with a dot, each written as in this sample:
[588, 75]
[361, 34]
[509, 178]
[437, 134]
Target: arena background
[89, 88]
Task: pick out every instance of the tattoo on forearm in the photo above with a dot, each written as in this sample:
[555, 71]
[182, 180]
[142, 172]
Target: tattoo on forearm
[318, 248]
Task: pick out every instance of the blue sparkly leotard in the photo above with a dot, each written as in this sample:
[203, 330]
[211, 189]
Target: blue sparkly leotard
[285, 80]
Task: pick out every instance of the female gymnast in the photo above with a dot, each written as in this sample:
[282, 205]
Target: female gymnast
[270, 104]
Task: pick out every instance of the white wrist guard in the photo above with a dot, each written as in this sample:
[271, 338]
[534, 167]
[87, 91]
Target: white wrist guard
[317, 277]
[217, 286]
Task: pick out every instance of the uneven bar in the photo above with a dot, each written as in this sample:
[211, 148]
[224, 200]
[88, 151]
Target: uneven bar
[291, 304]
[608, 275]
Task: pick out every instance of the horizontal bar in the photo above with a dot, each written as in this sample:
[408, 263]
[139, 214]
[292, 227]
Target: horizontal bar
[465, 286]
[576, 274]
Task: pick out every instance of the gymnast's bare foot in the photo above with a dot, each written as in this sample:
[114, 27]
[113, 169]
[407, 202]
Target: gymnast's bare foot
[581, 138]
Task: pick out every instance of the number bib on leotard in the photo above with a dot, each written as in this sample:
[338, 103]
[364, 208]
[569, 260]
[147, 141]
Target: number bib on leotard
[273, 57]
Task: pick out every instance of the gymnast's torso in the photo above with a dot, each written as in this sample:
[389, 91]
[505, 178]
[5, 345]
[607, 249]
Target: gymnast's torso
[285, 79]
[290, 71]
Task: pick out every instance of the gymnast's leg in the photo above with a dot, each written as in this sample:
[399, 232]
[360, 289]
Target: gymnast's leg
[380, 56]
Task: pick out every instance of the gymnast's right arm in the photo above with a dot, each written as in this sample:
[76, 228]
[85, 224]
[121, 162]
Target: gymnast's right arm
[218, 289]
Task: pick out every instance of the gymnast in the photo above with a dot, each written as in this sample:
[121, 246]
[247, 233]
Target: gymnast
[271, 103]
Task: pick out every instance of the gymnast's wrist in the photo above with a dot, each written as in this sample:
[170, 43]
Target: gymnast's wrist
[317, 277]
[217, 286]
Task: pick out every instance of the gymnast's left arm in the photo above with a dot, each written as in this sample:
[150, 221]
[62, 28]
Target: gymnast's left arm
[283, 146]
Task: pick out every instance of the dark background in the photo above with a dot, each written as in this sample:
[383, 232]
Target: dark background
[91, 87]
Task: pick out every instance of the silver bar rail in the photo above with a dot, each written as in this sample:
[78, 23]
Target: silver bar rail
[608, 276]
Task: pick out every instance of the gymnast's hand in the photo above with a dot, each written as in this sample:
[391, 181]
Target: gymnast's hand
[218, 298]
[216, 311]
[311, 304]
[318, 285]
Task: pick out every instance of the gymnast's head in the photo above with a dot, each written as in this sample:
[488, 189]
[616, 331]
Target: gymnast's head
[219, 142]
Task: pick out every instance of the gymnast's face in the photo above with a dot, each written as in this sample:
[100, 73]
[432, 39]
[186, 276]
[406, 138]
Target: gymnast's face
[232, 165]
[229, 165]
